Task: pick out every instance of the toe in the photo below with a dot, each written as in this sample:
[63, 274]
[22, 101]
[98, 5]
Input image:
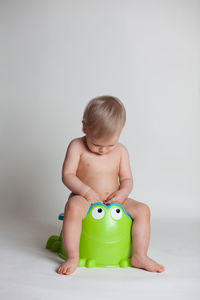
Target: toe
[161, 268]
[65, 270]
[69, 271]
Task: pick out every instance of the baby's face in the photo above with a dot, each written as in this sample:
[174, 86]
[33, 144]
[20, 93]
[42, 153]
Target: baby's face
[102, 146]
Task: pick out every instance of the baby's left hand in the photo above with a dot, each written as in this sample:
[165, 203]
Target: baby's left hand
[118, 196]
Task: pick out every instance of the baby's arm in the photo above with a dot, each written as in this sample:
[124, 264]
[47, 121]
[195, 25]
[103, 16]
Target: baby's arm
[125, 174]
[125, 179]
[69, 177]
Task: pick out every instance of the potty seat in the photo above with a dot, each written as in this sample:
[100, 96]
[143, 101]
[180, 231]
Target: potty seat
[105, 238]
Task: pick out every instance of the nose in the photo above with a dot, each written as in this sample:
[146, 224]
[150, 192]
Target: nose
[102, 150]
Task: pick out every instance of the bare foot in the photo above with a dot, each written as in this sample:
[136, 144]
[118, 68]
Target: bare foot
[144, 262]
[69, 266]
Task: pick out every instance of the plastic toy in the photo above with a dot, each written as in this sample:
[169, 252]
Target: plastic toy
[105, 239]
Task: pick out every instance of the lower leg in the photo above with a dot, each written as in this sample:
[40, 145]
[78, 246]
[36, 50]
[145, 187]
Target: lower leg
[140, 242]
[141, 235]
[72, 226]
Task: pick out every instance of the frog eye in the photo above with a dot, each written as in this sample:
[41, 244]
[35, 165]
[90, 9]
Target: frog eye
[116, 213]
[98, 213]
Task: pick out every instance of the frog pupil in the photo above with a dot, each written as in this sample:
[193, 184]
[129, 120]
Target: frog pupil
[118, 210]
[99, 210]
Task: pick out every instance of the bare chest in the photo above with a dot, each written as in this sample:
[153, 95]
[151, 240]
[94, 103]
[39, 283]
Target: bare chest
[93, 164]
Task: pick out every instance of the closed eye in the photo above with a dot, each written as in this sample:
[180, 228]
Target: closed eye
[103, 146]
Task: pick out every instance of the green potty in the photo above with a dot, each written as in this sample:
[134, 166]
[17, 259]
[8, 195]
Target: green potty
[105, 239]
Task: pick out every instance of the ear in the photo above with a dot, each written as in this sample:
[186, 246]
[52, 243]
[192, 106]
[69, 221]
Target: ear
[84, 127]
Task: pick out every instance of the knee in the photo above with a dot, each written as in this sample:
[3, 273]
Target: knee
[73, 208]
[144, 210]
[77, 206]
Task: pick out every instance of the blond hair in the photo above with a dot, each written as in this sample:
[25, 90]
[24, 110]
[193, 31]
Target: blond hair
[104, 115]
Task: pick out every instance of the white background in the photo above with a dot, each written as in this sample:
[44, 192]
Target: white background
[56, 56]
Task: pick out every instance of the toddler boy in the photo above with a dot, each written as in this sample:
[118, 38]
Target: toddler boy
[97, 169]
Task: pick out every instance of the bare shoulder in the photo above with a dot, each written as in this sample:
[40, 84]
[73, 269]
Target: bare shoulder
[74, 148]
[76, 143]
[123, 150]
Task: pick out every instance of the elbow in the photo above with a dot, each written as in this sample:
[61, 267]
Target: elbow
[130, 180]
[127, 182]
[66, 177]
[63, 179]
[132, 184]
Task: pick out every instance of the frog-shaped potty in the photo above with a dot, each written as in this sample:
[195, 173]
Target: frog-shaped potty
[105, 239]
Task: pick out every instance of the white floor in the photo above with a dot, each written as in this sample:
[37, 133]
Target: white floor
[27, 269]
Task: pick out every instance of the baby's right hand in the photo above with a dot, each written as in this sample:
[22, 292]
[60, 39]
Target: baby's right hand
[92, 197]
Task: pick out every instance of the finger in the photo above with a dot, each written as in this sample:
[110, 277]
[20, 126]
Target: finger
[114, 199]
[107, 203]
[110, 201]
[110, 196]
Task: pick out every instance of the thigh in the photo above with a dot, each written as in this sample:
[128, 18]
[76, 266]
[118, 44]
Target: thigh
[133, 207]
[77, 204]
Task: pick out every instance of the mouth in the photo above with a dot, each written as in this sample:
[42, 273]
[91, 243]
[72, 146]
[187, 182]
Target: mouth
[101, 153]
